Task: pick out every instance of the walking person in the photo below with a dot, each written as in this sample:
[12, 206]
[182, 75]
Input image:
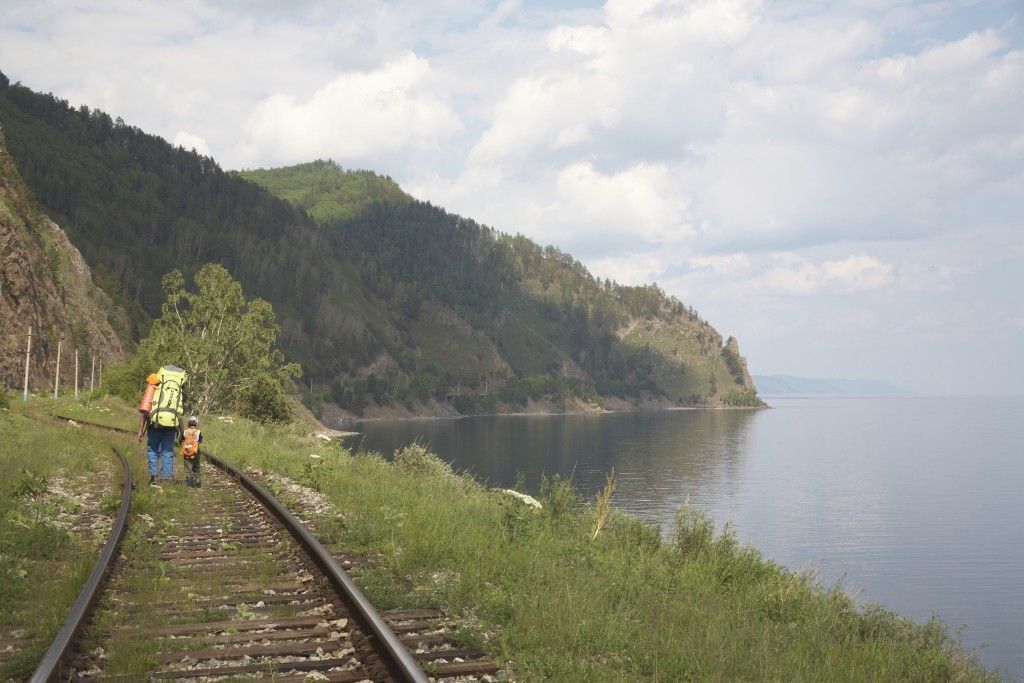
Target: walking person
[163, 421]
[190, 440]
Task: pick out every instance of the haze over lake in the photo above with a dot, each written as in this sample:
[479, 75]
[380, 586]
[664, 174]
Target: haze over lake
[913, 502]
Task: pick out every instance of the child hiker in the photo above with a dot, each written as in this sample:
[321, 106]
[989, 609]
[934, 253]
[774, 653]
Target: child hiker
[190, 440]
[160, 419]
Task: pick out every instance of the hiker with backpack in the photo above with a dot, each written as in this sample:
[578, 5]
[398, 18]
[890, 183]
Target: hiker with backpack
[190, 440]
[160, 419]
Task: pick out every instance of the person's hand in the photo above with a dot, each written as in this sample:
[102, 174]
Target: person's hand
[139, 435]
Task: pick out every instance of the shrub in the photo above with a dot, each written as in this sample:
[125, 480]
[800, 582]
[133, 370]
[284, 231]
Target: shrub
[559, 497]
[5, 399]
[695, 531]
[416, 459]
[263, 400]
[126, 380]
[743, 399]
[634, 534]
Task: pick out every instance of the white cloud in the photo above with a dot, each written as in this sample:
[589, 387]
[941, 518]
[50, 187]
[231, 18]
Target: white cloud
[630, 269]
[640, 201]
[727, 265]
[190, 141]
[780, 131]
[857, 273]
[357, 115]
[878, 146]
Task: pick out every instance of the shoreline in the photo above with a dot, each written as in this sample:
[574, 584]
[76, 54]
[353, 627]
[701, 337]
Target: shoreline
[738, 601]
[547, 413]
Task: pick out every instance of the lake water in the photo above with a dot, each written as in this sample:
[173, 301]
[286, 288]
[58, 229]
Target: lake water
[917, 503]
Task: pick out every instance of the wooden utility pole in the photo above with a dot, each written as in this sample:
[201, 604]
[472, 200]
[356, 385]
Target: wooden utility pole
[101, 372]
[92, 374]
[76, 374]
[56, 375]
[28, 355]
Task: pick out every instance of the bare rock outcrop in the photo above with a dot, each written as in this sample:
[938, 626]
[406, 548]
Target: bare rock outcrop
[46, 284]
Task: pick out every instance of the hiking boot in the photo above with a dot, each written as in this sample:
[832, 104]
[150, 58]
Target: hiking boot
[152, 480]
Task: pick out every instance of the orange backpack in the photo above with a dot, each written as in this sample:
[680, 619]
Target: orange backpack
[190, 446]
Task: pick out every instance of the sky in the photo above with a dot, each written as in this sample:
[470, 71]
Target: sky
[840, 185]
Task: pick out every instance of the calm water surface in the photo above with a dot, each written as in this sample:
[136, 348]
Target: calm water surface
[917, 503]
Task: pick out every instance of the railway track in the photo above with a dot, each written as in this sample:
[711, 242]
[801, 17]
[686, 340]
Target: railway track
[231, 585]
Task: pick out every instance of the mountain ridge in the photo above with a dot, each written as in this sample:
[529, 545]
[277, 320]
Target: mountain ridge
[386, 301]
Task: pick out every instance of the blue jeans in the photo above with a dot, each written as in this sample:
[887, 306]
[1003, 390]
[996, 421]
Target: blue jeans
[160, 447]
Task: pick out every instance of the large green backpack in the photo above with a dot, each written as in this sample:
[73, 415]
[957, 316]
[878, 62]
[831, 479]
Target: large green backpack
[168, 404]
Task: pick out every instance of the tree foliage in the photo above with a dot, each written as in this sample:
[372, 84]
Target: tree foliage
[227, 345]
[351, 287]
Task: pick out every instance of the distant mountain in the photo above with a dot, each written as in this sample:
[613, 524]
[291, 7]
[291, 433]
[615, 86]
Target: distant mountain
[780, 385]
[388, 303]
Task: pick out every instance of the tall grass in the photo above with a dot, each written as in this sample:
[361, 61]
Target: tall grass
[538, 588]
[603, 504]
[43, 562]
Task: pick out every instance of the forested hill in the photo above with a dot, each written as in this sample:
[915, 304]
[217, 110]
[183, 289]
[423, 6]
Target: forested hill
[45, 284]
[384, 300]
[527, 320]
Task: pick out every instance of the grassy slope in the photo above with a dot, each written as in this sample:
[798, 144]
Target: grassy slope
[42, 565]
[327, 192]
[533, 590]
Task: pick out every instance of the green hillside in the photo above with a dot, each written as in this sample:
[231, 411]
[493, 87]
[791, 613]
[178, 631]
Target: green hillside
[384, 300]
[541, 318]
[325, 192]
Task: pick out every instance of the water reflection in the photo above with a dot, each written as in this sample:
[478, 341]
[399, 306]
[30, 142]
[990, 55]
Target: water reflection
[659, 457]
[914, 502]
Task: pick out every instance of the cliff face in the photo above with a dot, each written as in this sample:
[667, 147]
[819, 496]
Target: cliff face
[45, 283]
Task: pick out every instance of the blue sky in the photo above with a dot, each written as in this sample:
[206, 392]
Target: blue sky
[839, 185]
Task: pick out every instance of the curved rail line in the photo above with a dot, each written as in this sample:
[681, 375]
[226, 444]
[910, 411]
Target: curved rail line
[56, 658]
[392, 653]
[401, 664]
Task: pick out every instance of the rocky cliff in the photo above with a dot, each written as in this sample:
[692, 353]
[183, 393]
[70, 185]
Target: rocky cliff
[46, 284]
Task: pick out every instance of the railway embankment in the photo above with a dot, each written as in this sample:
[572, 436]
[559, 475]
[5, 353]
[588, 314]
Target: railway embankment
[543, 596]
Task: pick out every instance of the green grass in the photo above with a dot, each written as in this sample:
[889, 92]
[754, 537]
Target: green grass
[43, 565]
[328, 192]
[534, 591]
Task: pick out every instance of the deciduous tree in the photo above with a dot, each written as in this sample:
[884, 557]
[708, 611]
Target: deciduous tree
[227, 344]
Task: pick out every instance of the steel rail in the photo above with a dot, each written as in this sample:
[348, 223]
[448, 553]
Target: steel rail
[402, 665]
[52, 666]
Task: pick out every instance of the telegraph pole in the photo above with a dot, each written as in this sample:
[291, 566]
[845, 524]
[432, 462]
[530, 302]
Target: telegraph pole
[76, 374]
[56, 375]
[28, 355]
[92, 373]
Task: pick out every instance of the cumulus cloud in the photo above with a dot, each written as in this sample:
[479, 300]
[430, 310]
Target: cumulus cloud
[357, 115]
[727, 265]
[631, 269]
[779, 130]
[191, 141]
[778, 165]
[856, 273]
[640, 201]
